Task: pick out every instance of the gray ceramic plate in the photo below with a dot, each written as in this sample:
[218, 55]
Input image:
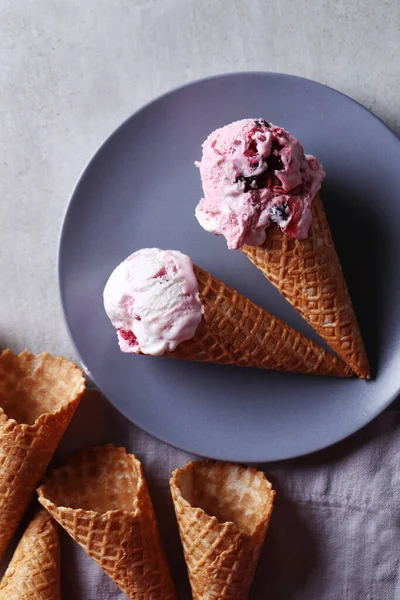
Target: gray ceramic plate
[141, 189]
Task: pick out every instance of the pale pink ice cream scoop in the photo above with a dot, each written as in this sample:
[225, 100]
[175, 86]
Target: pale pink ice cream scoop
[152, 299]
[254, 173]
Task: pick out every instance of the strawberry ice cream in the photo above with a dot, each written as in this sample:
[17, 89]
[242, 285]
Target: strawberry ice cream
[255, 173]
[152, 299]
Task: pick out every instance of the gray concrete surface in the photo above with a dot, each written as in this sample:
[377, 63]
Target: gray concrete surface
[71, 71]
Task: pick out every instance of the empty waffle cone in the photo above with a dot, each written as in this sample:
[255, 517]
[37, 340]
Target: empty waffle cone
[100, 498]
[38, 396]
[34, 570]
[236, 331]
[308, 274]
[223, 511]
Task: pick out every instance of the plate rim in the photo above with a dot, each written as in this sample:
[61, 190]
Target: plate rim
[64, 222]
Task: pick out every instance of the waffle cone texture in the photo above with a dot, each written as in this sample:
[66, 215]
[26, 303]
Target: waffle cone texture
[223, 511]
[38, 396]
[235, 331]
[308, 274]
[100, 498]
[34, 570]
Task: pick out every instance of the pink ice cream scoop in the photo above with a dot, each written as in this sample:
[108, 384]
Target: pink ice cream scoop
[152, 299]
[255, 173]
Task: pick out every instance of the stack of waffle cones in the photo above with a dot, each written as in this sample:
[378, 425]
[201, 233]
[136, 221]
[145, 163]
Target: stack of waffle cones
[100, 498]
[223, 511]
[38, 396]
[34, 571]
[236, 331]
[308, 274]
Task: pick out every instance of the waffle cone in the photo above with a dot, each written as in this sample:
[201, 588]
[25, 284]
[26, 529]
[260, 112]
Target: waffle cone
[223, 511]
[308, 274]
[38, 396]
[236, 331]
[34, 570]
[100, 498]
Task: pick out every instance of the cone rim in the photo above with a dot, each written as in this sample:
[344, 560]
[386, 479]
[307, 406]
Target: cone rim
[81, 387]
[69, 463]
[230, 525]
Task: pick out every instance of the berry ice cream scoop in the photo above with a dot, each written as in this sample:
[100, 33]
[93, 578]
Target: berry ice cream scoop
[152, 299]
[254, 174]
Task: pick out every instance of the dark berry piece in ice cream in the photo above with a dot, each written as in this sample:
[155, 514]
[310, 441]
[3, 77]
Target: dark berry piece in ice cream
[261, 122]
[279, 212]
[262, 180]
[129, 336]
[253, 182]
[274, 163]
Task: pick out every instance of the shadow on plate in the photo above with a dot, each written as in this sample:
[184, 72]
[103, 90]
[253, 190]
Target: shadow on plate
[363, 252]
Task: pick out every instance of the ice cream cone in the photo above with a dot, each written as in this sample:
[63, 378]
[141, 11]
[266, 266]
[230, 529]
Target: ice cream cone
[34, 570]
[308, 274]
[101, 499]
[223, 511]
[38, 396]
[236, 331]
